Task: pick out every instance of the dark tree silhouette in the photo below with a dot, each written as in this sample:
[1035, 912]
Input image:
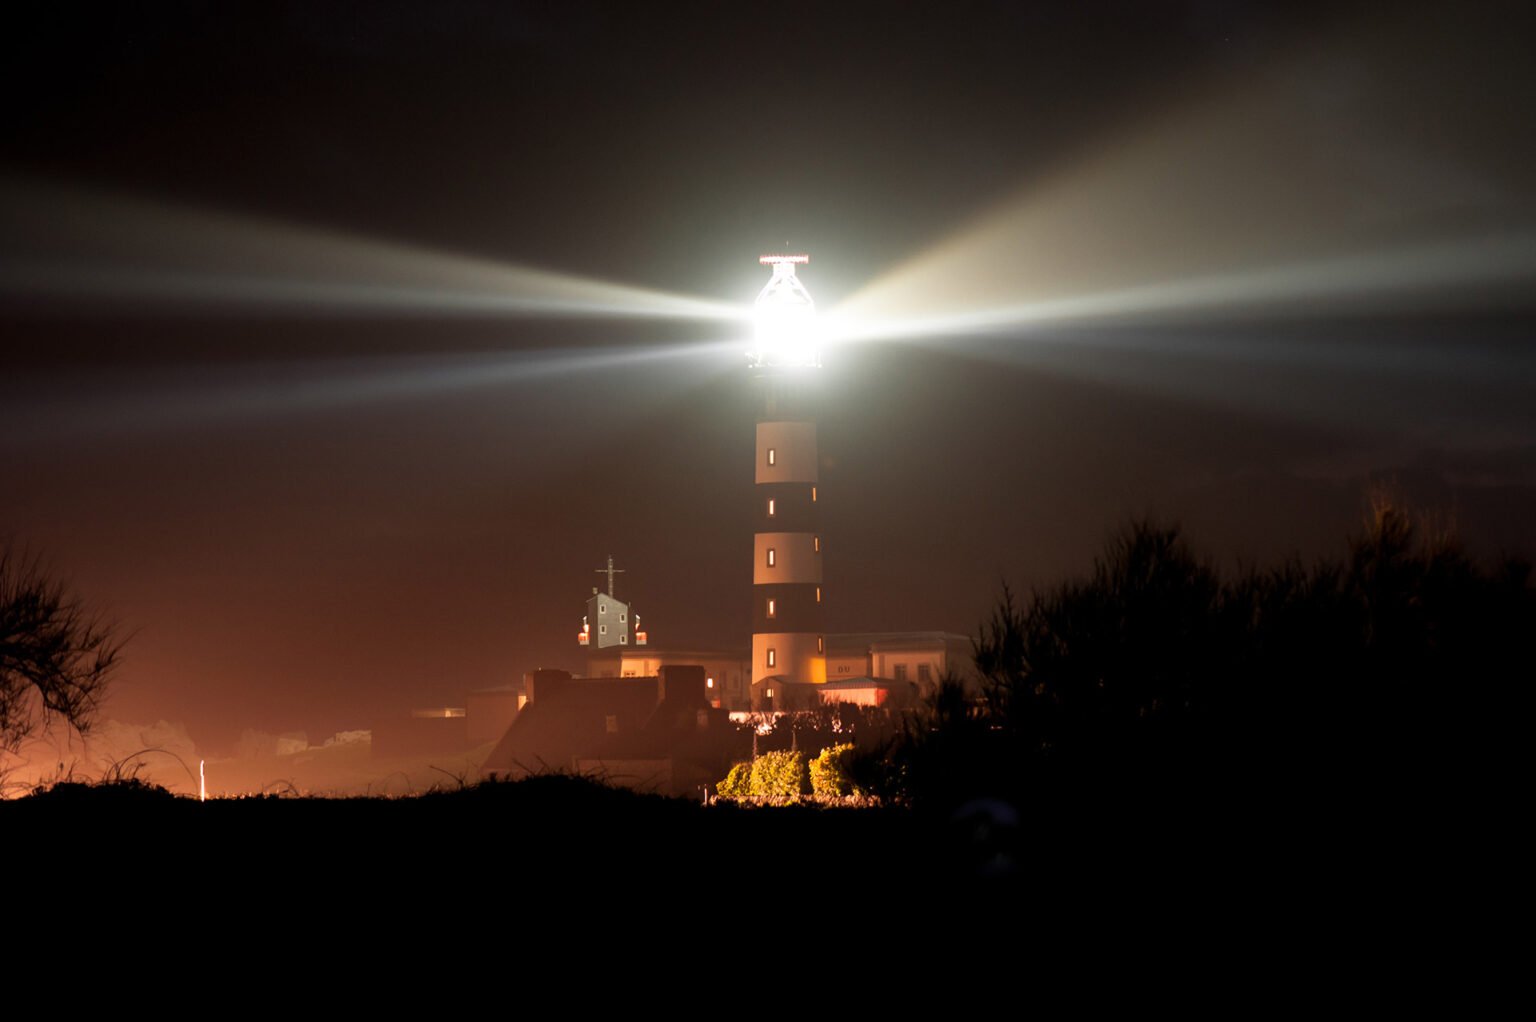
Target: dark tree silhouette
[1134, 657]
[1388, 673]
[55, 658]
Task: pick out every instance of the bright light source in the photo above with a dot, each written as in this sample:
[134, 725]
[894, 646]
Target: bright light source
[785, 316]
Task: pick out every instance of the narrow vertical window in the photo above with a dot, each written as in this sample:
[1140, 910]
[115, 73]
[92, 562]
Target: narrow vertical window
[818, 594]
[816, 544]
[773, 657]
[772, 456]
[813, 494]
[773, 607]
[821, 644]
[770, 557]
[770, 507]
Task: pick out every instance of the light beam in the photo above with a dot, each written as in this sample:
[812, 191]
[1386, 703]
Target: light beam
[84, 247]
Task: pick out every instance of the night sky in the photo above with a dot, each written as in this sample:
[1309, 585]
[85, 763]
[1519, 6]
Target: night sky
[265, 401]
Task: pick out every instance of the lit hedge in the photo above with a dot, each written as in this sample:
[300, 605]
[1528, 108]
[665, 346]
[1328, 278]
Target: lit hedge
[780, 774]
[737, 783]
[829, 772]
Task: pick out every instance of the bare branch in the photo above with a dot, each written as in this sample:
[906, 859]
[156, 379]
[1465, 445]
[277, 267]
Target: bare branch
[55, 658]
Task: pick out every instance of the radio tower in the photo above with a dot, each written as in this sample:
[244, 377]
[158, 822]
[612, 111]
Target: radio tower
[788, 640]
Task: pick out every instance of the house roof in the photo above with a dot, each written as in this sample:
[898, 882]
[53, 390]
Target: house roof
[569, 721]
[862, 682]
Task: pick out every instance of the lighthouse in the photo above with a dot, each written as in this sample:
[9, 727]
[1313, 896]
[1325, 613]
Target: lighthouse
[788, 639]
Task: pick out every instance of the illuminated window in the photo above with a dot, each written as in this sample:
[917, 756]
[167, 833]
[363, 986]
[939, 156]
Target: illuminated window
[818, 594]
[770, 557]
[772, 456]
[770, 507]
[768, 692]
[821, 644]
[773, 659]
[816, 544]
[813, 494]
[772, 607]
[709, 682]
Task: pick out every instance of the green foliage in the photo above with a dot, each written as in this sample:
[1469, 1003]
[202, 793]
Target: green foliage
[830, 772]
[737, 783]
[780, 775]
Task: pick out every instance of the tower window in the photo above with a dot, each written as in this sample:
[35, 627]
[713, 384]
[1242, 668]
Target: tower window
[770, 507]
[773, 657]
[771, 560]
[813, 494]
[772, 607]
[622, 617]
[602, 608]
[816, 544]
[624, 640]
[602, 629]
[709, 682]
[772, 456]
[821, 644]
[818, 594]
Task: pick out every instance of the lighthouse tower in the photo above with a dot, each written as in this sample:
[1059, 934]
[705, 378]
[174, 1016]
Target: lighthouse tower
[788, 640]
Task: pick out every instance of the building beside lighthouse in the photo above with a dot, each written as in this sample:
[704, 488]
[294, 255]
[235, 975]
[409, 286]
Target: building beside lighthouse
[609, 621]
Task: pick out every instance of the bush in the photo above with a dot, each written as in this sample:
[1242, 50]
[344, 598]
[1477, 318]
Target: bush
[780, 774]
[737, 783]
[830, 774]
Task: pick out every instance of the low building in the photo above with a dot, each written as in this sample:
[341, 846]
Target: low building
[923, 658]
[891, 669]
[653, 733]
[490, 711]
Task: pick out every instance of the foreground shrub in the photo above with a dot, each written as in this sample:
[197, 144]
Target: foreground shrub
[830, 772]
[780, 774]
[737, 783]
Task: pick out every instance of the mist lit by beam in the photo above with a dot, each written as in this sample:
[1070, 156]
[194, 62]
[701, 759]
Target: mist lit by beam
[84, 248]
[177, 397]
[1332, 181]
[1429, 276]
